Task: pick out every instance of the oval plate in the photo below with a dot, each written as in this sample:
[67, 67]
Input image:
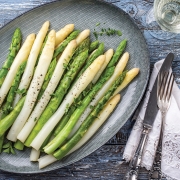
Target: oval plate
[84, 14]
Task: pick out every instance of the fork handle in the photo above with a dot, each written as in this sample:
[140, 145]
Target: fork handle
[133, 170]
[155, 173]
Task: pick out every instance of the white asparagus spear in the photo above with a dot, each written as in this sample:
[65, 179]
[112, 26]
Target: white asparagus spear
[103, 115]
[46, 160]
[57, 74]
[118, 70]
[77, 88]
[34, 88]
[20, 57]
[29, 70]
[63, 33]
[108, 54]
[130, 75]
[34, 156]
[83, 35]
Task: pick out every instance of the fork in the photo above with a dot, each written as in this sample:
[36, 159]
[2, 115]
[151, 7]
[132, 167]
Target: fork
[165, 85]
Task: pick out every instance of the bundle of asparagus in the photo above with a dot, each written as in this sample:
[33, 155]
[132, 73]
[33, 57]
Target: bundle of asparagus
[58, 89]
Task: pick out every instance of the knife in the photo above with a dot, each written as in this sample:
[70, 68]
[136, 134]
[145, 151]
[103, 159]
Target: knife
[150, 114]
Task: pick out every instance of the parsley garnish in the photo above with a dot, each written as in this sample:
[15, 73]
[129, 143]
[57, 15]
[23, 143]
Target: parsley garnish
[21, 92]
[65, 65]
[9, 108]
[106, 31]
[67, 108]
[91, 107]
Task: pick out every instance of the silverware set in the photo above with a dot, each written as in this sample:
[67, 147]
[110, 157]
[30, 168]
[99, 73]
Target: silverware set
[165, 85]
[159, 99]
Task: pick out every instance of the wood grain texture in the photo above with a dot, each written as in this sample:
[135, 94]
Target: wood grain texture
[105, 163]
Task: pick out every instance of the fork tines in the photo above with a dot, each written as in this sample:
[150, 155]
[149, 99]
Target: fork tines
[165, 81]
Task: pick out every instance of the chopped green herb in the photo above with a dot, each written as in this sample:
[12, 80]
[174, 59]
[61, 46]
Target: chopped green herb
[67, 108]
[84, 93]
[95, 34]
[106, 31]
[21, 92]
[119, 33]
[75, 100]
[78, 103]
[91, 107]
[97, 24]
[10, 108]
[65, 65]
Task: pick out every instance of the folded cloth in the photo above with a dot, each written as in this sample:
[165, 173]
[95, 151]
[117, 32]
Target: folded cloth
[170, 164]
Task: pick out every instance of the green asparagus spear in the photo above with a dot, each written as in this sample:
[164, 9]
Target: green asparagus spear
[84, 45]
[7, 107]
[58, 95]
[99, 51]
[10, 118]
[62, 136]
[14, 48]
[64, 119]
[93, 46]
[47, 77]
[90, 59]
[63, 45]
[118, 52]
[46, 141]
[60, 153]
[19, 145]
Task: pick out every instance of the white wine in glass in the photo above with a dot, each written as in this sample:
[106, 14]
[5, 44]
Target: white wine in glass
[167, 14]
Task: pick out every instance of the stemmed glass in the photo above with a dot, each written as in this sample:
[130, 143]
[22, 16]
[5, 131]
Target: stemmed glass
[167, 14]
[164, 19]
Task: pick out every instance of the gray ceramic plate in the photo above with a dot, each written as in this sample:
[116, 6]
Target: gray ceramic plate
[84, 14]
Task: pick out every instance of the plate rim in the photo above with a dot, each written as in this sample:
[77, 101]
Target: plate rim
[134, 108]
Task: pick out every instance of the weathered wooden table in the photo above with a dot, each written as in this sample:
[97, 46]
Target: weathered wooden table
[105, 163]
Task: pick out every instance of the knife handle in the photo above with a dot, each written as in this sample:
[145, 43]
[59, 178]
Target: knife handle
[132, 173]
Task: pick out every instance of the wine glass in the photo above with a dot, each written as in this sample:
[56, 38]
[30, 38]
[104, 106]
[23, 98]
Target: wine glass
[167, 15]
[155, 22]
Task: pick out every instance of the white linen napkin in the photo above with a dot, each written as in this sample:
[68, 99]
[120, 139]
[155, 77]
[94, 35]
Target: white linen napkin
[171, 140]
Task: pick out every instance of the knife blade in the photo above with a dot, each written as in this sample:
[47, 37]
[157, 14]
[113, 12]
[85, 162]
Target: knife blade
[150, 114]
